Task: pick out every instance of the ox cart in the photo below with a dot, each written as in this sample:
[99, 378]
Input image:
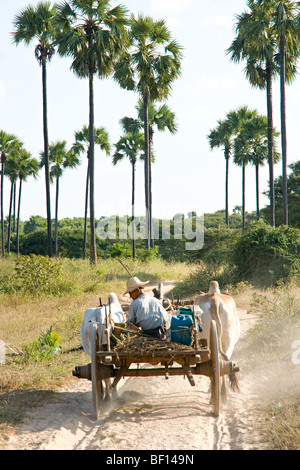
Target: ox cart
[151, 357]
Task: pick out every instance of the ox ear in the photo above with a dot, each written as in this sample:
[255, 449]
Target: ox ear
[199, 292]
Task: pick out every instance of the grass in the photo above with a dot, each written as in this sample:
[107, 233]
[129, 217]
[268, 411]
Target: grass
[269, 360]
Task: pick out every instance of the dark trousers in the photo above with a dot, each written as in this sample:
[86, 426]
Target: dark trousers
[156, 332]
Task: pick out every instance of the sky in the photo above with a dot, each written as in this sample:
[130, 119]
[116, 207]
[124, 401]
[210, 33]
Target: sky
[188, 175]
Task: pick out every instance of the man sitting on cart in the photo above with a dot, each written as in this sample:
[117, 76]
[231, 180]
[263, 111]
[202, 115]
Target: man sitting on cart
[145, 311]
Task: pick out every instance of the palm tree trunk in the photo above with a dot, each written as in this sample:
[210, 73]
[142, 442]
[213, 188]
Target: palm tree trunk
[14, 206]
[257, 191]
[150, 200]
[56, 216]
[2, 216]
[270, 141]
[93, 254]
[46, 153]
[283, 129]
[132, 217]
[146, 134]
[9, 216]
[18, 218]
[86, 207]
[244, 192]
[227, 186]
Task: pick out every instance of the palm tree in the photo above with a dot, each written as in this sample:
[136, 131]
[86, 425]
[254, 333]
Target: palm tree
[150, 68]
[222, 136]
[93, 34]
[36, 24]
[238, 120]
[9, 144]
[131, 146]
[255, 44]
[82, 140]
[254, 136]
[12, 174]
[162, 118]
[61, 159]
[288, 34]
[27, 166]
[11, 171]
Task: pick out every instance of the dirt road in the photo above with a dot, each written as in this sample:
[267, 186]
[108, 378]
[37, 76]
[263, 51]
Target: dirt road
[149, 413]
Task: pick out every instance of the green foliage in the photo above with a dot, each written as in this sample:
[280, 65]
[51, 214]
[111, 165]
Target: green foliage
[120, 250]
[146, 255]
[35, 222]
[38, 275]
[46, 347]
[200, 279]
[267, 255]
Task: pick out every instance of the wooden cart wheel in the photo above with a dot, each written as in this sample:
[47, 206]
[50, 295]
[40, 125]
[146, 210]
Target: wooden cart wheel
[97, 387]
[215, 378]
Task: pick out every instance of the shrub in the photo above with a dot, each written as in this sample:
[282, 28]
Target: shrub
[38, 275]
[267, 255]
[147, 255]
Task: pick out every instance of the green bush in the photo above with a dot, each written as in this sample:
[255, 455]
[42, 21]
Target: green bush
[38, 275]
[267, 255]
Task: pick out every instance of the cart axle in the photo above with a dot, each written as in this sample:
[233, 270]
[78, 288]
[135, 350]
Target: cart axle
[204, 368]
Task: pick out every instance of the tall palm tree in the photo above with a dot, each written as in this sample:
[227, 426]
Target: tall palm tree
[254, 138]
[36, 24]
[288, 35]
[60, 158]
[221, 136]
[27, 166]
[93, 34]
[149, 68]
[81, 145]
[9, 144]
[131, 146]
[238, 120]
[161, 118]
[12, 172]
[255, 43]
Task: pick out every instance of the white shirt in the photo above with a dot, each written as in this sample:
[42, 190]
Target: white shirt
[147, 313]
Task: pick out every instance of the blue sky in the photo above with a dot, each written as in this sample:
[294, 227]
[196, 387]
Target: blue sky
[187, 175]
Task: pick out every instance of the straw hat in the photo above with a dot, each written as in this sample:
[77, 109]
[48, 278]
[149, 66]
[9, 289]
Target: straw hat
[133, 283]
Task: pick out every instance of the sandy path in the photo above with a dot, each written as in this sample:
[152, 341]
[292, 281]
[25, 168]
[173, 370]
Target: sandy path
[149, 413]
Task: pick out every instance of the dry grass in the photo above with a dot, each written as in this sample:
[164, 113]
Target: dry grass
[268, 361]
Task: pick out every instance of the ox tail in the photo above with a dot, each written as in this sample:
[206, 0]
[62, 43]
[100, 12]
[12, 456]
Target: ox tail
[233, 382]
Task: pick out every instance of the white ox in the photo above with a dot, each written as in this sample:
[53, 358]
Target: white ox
[98, 315]
[222, 309]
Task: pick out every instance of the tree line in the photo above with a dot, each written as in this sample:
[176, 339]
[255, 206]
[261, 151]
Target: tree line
[268, 42]
[138, 52]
